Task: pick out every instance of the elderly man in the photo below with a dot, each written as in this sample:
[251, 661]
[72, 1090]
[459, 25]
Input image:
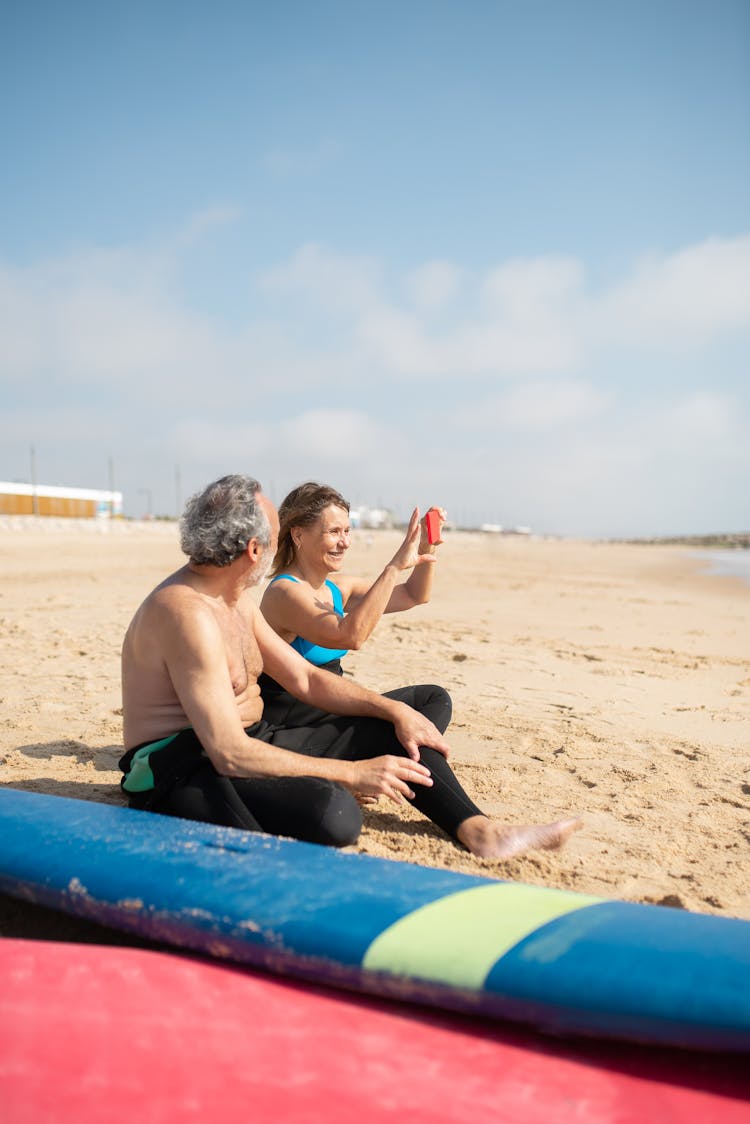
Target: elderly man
[196, 739]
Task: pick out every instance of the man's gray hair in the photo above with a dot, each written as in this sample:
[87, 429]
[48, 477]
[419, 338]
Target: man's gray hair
[219, 522]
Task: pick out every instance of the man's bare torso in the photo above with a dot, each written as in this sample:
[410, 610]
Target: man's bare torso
[169, 629]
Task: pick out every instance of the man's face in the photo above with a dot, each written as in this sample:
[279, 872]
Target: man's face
[269, 551]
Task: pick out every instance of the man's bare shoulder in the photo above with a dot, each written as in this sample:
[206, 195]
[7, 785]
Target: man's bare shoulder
[178, 598]
[175, 593]
[174, 603]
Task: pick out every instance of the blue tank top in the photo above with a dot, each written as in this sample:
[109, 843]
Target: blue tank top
[315, 653]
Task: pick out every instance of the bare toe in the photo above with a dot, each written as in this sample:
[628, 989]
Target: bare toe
[556, 834]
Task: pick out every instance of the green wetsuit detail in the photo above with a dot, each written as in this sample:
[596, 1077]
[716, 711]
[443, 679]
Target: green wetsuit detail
[139, 777]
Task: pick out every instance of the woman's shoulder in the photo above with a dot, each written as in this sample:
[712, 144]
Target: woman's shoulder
[281, 587]
[294, 591]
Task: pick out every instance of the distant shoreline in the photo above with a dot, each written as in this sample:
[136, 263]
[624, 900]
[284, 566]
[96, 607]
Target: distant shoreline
[737, 541]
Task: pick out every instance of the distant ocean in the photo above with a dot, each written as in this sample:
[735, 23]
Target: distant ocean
[727, 563]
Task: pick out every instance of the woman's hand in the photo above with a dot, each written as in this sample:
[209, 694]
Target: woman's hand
[415, 549]
[389, 776]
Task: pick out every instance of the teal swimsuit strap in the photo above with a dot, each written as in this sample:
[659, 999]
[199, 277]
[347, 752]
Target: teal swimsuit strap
[280, 577]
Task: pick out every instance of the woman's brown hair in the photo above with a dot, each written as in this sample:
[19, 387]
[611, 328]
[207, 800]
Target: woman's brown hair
[301, 508]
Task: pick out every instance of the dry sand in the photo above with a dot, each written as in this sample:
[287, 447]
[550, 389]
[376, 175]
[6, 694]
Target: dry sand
[607, 680]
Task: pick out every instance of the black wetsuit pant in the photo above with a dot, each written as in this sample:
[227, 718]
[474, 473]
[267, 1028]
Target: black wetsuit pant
[308, 808]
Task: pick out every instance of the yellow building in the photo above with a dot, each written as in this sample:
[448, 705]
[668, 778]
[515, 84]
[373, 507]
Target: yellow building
[45, 499]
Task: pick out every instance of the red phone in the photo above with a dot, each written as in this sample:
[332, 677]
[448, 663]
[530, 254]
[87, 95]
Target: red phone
[433, 525]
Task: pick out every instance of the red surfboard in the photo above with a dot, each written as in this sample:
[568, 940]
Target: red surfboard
[110, 1035]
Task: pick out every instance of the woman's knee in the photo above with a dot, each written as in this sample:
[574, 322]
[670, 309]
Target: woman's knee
[435, 703]
[427, 698]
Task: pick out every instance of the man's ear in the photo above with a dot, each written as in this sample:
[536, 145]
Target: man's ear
[253, 550]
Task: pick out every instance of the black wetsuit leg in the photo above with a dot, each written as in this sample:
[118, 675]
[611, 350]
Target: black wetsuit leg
[308, 808]
[360, 739]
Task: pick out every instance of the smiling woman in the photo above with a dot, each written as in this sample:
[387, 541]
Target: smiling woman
[324, 618]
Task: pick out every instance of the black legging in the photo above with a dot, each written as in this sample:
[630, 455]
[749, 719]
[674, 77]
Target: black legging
[308, 808]
[319, 734]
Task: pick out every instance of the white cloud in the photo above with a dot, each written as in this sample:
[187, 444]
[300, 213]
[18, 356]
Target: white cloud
[110, 334]
[523, 291]
[95, 316]
[198, 441]
[527, 317]
[321, 436]
[23, 332]
[704, 416]
[335, 435]
[536, 406]
[339, 284]
[433, 285]
[676, 300]
[202, 223]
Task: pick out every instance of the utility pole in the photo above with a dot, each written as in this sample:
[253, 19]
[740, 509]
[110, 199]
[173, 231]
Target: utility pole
[111, 467]
[147, 492]
[34, 497]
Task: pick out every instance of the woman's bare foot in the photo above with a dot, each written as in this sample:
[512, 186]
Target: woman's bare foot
[489, 840]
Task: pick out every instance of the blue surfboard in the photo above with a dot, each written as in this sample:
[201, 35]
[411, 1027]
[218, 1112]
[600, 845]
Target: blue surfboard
[561, 962]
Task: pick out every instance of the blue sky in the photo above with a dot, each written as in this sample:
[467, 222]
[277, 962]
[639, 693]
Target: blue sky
[493, 255]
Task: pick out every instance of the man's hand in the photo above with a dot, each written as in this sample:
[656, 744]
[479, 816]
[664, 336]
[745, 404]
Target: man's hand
[388, 776]
[414, 730]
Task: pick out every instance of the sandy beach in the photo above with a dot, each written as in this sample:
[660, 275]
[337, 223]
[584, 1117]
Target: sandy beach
[607, 680]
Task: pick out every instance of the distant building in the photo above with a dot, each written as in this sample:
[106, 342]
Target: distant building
[371, 517]
[46, 499]
[498, 529]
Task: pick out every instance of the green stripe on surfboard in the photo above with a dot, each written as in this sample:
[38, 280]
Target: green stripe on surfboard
[457, 939]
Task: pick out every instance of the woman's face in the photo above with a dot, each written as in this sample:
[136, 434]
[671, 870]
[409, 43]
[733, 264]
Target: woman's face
[327, 540]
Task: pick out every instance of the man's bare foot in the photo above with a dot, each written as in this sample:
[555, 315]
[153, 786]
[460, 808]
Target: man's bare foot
[489, 840]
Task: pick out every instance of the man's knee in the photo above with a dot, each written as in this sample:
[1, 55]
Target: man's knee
[339, 817]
